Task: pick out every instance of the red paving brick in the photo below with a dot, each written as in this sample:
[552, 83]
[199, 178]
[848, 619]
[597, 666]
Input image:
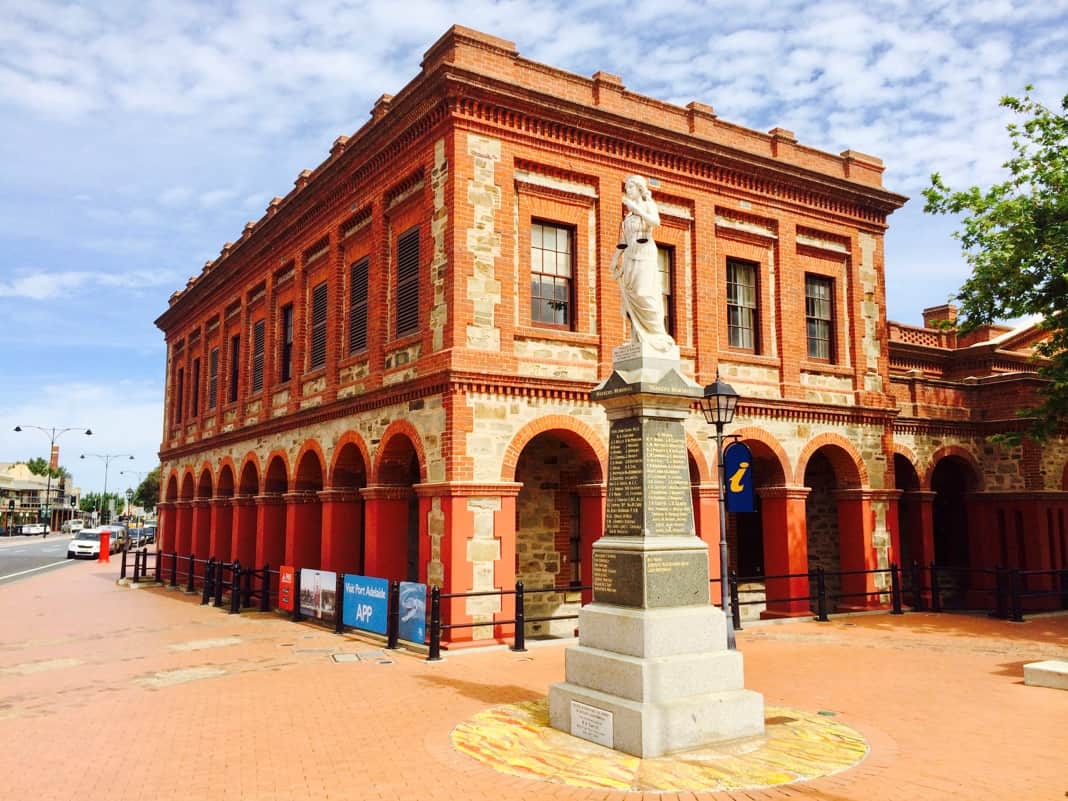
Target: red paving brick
[92, 706]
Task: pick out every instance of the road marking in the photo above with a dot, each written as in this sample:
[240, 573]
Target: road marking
[33, 570]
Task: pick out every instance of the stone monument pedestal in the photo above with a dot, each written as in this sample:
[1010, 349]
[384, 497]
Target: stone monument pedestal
[651, 673]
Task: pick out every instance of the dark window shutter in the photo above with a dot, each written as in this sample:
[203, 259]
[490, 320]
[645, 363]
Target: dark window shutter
[196, 388]
[407, 282]
[358, 288]
[318, 326]
[235, 366]
[257, 356]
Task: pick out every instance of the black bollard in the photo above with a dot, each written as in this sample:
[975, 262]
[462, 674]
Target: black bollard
[434, 654]
[122, 568]
[217, 585]
[339, 603]
[296, 616]
[821, 595]
[917, 587]
[936, 595]
[520, 643]
[393, 615]
[235, 588]
[736, 610]
[209, 575]
[895, 590]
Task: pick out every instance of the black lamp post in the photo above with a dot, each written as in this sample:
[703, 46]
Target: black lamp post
[718, 405]
[107, 457]
[53, 433]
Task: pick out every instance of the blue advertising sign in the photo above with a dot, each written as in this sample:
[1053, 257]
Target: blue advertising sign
[366, 603]
[738, 469]
[412, 625]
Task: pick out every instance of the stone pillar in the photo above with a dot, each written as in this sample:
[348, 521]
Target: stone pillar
[652, 673]
[221, 524]
[184, 526]
[782, 511]
[243, 531]
[201, 545]
[270, 530]
[342, 530]
[303, 529]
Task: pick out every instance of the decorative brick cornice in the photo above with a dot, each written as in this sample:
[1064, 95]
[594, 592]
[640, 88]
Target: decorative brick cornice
[386, 492]
[463, 489]
[784, 493]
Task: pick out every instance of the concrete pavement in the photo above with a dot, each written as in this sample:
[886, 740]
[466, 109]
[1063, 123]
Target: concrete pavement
[113, 693]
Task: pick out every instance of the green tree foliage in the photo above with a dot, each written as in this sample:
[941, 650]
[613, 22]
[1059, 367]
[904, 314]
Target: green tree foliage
[91, 501]
[39, 467]
[147, 493]
[1015, 237]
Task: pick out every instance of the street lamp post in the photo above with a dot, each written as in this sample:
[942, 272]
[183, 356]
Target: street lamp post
[718, 405]
[107, 457]
[53, 433]
[130, 493]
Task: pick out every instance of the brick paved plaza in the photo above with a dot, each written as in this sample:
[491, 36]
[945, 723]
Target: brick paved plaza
[114, 693]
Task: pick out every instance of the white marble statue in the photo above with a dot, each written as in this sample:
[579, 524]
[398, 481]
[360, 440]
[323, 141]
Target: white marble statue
[635, 267]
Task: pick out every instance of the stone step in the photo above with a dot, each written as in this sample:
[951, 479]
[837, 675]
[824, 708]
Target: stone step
[1051, 673]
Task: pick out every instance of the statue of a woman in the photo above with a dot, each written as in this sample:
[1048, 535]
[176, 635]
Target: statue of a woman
[635, 267]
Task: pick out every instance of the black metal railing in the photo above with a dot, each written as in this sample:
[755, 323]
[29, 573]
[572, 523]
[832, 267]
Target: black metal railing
[1006, 593]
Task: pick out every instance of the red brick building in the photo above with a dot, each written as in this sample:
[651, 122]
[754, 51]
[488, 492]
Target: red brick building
[388, 373]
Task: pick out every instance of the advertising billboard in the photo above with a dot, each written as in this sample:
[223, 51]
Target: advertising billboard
[366, 603]
[412, 612]
[318, 594]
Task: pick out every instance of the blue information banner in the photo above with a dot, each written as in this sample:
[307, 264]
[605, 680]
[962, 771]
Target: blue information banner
[738, 468]
[412, 625]
[366, 603]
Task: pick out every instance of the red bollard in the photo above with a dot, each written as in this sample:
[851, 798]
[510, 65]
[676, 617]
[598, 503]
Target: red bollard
[105, 547]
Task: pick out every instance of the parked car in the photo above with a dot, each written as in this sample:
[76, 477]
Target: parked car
[118, 536]
[150, 532]
[34, 528]
[85, 543]
[136, 537]
[72, 526]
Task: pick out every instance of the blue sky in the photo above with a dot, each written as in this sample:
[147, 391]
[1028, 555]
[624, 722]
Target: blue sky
[138, 137]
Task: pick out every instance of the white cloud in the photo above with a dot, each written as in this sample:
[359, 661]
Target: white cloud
[41, 285]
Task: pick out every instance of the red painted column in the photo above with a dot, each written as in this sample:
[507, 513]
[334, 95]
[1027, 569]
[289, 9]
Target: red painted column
[856, 550]
[706, 526]
[184, 540]
[342, 530]
[782, 511]
[201, 533]
[221, 525]
[243, 531]
[270, 530]
[386, 532]
[303, 529]
[167, 526]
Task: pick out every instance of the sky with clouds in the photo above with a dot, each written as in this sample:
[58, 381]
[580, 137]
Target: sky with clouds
[138, 137]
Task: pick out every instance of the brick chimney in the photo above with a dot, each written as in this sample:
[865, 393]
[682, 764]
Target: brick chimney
[947, 312]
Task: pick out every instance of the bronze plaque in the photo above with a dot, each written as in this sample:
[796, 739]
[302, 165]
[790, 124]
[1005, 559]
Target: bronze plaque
[617, 578]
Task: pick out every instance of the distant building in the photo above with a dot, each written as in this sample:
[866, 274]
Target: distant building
[24, 497]
[388, 373]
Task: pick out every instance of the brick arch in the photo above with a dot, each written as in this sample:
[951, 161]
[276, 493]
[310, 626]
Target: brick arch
[225, 483]
[396, 430]
[311, 447]
[849, 468]
[356, 441]
[768, 449]
[697, 458]
[961, 453]
[908, 455]
[280, 455]
[250, 459]
[171, 493]
[572, 431]
[188, 485]
[205, 476]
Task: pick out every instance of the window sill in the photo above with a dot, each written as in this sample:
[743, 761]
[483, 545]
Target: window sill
[746, 357]
[828, 368]
[556, 334]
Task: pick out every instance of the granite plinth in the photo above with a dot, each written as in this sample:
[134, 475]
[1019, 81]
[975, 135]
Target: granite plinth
[1050, 673]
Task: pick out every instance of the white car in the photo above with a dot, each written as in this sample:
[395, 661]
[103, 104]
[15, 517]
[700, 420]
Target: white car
[34, 528]
[72, 526]
[87, 541]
